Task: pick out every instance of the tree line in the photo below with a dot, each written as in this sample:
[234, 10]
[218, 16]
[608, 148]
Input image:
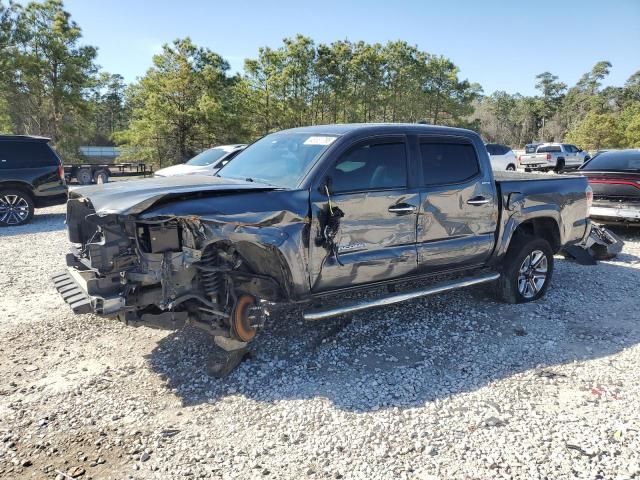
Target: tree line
[189, 99]
[585, 114]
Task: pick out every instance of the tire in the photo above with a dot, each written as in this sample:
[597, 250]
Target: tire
[84, 176]
[16, 207]
[101, 176]
[559, 165]
[511, 167]
[519, 283]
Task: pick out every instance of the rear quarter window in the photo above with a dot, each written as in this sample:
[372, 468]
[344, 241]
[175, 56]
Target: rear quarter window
[17, 154]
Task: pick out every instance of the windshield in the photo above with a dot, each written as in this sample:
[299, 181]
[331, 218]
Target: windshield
[629, 160]
[280, 159]
[207, 157]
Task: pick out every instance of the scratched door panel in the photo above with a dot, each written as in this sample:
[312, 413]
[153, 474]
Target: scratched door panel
[372, 243]
[458, 207]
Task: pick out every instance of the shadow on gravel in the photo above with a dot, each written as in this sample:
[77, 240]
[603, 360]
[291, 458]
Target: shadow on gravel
[420, 351]
[43, 222]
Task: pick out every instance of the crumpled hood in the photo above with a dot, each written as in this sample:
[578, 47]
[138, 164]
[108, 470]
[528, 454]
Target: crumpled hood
[135, 196]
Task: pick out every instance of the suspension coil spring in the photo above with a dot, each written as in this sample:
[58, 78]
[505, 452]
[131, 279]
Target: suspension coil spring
[211, 281]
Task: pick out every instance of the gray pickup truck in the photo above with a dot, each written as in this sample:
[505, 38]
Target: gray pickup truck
[305, 215]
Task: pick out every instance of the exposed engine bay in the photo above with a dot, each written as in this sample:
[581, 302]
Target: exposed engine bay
[166, 272]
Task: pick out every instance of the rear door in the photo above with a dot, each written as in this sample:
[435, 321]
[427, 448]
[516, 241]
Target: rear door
[458, 213]
[376, 239]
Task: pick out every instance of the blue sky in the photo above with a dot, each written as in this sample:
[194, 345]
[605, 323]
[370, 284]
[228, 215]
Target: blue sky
[500, 44]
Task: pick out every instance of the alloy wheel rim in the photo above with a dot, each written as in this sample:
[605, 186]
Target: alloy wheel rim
[14, 209]
[533, 274]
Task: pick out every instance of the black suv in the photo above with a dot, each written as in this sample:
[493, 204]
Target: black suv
[31, 176]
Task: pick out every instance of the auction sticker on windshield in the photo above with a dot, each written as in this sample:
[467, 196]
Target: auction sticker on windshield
[319, 140]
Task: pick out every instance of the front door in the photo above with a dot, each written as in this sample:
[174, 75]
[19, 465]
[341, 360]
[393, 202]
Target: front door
[458, 213]
[375, 239]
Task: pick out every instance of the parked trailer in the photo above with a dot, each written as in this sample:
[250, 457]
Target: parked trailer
[89, 173]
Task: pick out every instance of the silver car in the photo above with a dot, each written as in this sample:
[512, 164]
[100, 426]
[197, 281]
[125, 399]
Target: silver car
[205, 163]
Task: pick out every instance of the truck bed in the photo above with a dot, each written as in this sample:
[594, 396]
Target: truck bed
[504, 176]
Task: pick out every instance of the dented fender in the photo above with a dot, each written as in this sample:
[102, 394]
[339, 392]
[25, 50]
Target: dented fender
[268, 229]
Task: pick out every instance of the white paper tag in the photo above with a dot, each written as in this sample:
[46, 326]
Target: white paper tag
[320, 140]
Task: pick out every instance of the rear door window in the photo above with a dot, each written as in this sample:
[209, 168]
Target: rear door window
[446, 162]
[373, 166]
[17, 154]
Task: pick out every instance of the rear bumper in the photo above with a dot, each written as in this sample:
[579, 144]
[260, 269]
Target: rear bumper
[77, 289]
[537, 167]
[616, 214]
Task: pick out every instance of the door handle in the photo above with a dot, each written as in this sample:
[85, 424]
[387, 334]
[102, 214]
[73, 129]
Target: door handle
[402, 208]
[478, 201]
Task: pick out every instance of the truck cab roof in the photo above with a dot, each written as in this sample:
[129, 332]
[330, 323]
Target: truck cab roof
[379, 128]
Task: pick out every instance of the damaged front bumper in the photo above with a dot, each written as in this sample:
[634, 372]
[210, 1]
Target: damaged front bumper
[83, 292]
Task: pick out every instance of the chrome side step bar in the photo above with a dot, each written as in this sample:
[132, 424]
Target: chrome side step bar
[400, 297]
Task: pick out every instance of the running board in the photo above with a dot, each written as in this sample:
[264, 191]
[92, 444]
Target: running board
[400, 297]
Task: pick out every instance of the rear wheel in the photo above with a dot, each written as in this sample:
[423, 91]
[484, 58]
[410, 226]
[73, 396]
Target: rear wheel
[559, 165]
[16, 208]
[511, 167]
[101, 176]
[527, 270]
[84, 176]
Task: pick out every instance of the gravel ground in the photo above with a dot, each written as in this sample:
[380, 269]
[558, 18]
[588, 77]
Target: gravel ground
[454, 386]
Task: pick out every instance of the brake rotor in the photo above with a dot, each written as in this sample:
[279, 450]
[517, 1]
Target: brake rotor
[241, 322]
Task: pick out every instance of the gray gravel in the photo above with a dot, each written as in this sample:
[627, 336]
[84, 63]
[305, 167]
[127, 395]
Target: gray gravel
[455, 386]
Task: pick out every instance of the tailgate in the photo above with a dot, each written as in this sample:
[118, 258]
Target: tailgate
[533, 159]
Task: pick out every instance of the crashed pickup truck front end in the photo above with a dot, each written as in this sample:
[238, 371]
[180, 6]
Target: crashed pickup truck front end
[206, 251]
[119, 264]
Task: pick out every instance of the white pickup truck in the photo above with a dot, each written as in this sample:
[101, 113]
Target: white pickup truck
[553, 156]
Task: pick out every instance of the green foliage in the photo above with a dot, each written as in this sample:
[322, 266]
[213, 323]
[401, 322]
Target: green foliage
[586, 114]
[596, 131]
[552, 92]
[187, 101]
[48, 73]
[181, 105]
[630, 125]
[300, 84]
